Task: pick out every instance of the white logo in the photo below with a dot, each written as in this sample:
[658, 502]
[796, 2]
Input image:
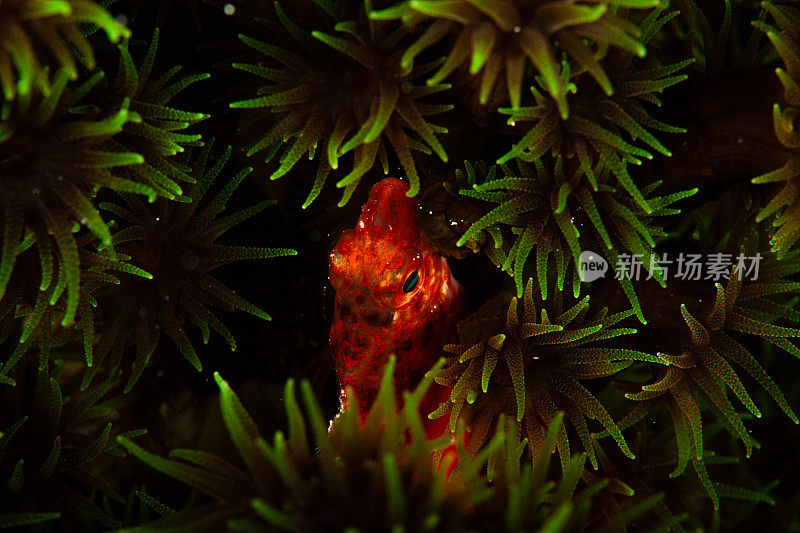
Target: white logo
[592, 266]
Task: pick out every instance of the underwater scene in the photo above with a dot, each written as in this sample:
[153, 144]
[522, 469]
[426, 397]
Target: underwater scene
[399, 265]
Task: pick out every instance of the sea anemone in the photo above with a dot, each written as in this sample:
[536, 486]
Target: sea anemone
[377, 475]
[175, 242]
[598, 125]
[631, 482]
[704, 364]
[502, 36]
[785, 38]
[560, 215]
[527, 497]
[156, 135]
[529, 363]
[327, 94]
[378, 472]
[52, 162]
[35, 35]
[715, 52]
[35, 312]
[50, 444]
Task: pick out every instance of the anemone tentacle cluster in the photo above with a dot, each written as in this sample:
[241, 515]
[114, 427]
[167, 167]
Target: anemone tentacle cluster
[500, 39]
[555, 216]
[713, 347]
[534, 366]
[52, 162]
[50, 446]
[39, 36]
[409, 485]
[157, 134]
[341, 91]
[785, 205]
[176, 242]
[613, 129]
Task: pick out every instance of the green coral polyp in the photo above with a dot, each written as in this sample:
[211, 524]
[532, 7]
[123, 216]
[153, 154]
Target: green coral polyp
[119, 219]
[42, 310]
[548, 213]
[36, 35]
[157, 132]
[717, 52]
[52, 164]
[49, 455]
[176, 243]
[530, 366]
[496, 37]
[613, 129]
[318, 473]
[786, 203]
[330, 94]
[704, 367]
[316, 479]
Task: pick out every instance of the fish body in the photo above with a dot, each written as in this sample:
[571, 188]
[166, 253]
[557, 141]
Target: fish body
[394, 295]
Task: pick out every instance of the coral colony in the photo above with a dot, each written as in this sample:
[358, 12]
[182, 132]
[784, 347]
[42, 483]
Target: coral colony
[399, 265]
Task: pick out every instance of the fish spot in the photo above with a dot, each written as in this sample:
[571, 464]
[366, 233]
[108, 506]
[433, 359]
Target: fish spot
[373, 319]
[427, 333]
[360, 341]
[405, 345]
[348, 353]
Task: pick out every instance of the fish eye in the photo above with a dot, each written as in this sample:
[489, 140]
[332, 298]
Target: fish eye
[411, 281]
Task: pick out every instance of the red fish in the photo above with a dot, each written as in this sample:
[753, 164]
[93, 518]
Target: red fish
[394, 295]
